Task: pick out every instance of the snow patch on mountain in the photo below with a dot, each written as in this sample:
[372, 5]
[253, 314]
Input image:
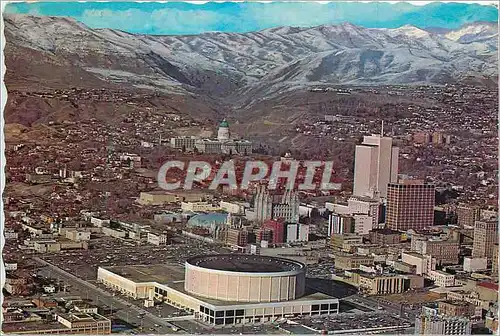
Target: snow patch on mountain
[266, 61]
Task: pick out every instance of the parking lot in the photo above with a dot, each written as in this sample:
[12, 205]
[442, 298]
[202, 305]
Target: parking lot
[411, 298]
[323, 270]
[196, 328]
[106, 251]
[353, 322]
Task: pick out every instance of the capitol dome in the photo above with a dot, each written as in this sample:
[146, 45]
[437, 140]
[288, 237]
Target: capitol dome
[223, 132]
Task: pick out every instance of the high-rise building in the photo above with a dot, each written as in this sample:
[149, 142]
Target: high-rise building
[410, 205]
[485, 237]
[467, 215]
[375, 166]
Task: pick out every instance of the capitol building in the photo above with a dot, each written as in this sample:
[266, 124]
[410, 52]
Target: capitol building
[223, 144]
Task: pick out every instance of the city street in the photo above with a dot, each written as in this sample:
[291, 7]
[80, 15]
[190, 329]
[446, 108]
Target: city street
[121, 309]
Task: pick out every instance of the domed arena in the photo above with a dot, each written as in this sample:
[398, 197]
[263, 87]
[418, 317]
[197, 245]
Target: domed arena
[245, 278]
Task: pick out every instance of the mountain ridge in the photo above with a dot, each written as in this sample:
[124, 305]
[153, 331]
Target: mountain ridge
[225, 64]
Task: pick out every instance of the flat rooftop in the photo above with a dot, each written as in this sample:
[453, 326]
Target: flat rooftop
[245, 263]
[162, 274]
[35, 326]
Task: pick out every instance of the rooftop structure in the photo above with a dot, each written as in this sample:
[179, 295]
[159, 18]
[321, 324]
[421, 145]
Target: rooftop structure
[245, 263]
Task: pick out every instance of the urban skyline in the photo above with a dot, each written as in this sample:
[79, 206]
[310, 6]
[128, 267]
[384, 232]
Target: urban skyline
[250, 168]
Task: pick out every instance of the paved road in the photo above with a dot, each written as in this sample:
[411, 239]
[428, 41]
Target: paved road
[121, 308]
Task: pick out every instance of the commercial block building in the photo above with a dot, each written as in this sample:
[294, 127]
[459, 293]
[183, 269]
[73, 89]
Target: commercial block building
[198, 206]
[383, 284]
[442, 325]
[164, 197]
[456, 308]
[442, 279]
[424, 263]
[385, 237]
[390, 284]
[445, 252]
[345, 242]
[237, 237]
[66, 324]
[158, 238]
[366, 206]
[352, 261]
[272, 231]
[183, 142]
[363, 224]
[475, 264]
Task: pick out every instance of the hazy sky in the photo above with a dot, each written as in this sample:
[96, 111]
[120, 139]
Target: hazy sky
[189, 18]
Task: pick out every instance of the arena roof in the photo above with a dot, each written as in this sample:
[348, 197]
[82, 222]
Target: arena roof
[245, 263]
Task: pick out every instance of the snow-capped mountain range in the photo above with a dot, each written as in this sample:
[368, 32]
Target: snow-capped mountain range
[229, 63]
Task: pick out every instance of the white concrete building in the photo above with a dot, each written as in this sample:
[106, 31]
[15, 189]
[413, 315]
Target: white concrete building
[99, 222]
[198, 206]
[236, 208]
[10, 266]
[11, 235]
[442, 325]
[375, 166]
[424, 263]
[157, 239]
[442, 279]
[366, 206]
[297, 233]
[363, 224]
[475, 264]
[78, 235]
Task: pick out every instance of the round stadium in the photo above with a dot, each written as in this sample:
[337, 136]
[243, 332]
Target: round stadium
[245, 278]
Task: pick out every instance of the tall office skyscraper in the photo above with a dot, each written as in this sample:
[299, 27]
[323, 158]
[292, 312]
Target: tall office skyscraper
[375, 166]
[410, 205]
[485, 237]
